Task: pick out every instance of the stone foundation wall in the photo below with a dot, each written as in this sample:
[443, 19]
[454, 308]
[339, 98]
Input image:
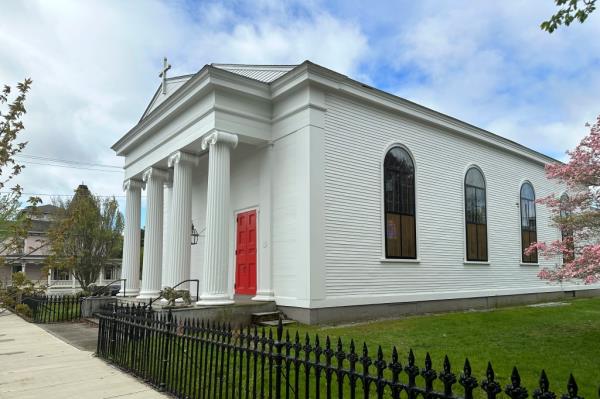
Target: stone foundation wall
[345, 314]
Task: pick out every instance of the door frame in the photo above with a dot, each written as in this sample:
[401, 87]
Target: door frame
[234, 263]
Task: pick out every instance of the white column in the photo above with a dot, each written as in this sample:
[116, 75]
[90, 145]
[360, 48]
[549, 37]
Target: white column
[153, 242]
[181, 216]
[264, 289]
[215, 276]
[167, 278]
[131, 242]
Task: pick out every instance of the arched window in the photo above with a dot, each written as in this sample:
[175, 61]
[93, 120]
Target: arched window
[399, 188]
[528, 222]
[476, 216]
[566, 232]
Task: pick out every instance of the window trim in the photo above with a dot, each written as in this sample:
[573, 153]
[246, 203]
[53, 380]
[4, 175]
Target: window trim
[466, 259]
[384, 257]
[522, 260]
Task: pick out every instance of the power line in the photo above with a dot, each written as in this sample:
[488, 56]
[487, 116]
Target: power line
[65, 195]
[71, 167]
[67, 161]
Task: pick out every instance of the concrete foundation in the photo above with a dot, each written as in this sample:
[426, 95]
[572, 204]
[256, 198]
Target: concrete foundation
[346, 314]
[238, 313]
[91, 305]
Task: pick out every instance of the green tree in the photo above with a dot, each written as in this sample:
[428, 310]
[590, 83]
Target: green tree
[569, 11]
[84, 237]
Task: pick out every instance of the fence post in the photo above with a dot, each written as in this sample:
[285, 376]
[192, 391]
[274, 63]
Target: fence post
[113, 332]
[278, 345]
[165, 352]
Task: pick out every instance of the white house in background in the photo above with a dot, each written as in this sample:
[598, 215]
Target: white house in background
[332, 198]
[31, 257]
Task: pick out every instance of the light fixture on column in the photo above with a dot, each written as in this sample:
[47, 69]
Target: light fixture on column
[195, 235]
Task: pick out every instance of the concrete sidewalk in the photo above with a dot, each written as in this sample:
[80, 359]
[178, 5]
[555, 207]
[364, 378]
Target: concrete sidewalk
[35, 364]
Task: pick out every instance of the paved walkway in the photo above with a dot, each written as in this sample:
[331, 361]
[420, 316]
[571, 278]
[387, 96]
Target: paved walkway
[36, 364]
[83, 336]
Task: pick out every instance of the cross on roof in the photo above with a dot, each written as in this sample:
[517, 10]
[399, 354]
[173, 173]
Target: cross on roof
[163, 75]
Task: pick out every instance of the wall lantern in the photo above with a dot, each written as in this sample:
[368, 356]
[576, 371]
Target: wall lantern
[195, 235]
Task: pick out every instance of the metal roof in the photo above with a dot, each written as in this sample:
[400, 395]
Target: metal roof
[262, 73]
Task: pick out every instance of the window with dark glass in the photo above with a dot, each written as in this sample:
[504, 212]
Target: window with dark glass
[60, 275]
[528, 222]
[108, 273]
[476, 216]
[566, 233]
[399, 188]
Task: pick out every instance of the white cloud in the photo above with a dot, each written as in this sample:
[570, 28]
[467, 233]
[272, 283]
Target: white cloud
[95, 66]
[491, 65]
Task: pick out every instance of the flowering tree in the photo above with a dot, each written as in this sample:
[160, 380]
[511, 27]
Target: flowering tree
[576, 213]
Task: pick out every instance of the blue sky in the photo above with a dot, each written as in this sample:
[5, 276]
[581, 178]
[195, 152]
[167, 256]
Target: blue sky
[95, 65]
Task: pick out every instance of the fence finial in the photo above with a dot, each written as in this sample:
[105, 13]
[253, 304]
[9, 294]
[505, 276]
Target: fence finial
[447, 377]
[573, 389]
[515, 390]
[544, 390]
[489, 385]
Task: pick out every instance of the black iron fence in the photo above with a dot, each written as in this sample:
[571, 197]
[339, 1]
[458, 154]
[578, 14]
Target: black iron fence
[53, 309]
[192, 359]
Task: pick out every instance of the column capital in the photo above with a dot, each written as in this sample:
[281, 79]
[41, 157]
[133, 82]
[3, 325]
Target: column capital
[131, 184]
[220, 137]
[155, 173]
[182, 157]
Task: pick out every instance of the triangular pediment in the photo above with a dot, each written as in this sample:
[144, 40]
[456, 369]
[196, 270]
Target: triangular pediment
[159, 97]
[261, 73]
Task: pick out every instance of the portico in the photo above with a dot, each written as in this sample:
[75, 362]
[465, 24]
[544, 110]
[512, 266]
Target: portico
[198, 163]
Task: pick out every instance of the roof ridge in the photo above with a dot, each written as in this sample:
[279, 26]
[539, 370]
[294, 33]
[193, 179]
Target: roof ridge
[255, 65]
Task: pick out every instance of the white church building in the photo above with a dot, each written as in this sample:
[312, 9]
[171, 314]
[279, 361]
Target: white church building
[332, 198]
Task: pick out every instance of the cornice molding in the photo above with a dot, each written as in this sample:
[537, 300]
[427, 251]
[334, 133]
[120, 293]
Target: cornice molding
[220, 137]
[333, 82]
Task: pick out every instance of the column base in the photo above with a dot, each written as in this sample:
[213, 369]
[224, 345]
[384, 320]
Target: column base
[264, 296]
[129, 292]
[148, 294]
[212, 300]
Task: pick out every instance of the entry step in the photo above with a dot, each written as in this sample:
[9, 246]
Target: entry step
[275, 323]
[265, 316]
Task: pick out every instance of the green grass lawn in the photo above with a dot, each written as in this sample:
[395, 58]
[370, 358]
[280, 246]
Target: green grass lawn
[560, 339]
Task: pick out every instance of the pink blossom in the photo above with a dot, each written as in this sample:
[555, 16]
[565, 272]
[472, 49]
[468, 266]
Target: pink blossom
[576, 214]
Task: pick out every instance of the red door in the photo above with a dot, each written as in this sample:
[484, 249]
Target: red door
[245, 254]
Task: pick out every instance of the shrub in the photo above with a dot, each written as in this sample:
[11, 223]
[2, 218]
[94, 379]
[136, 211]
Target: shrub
[24, 310]
[8, 301]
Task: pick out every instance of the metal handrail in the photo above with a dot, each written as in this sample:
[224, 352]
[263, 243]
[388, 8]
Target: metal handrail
[175, 286]
[109, 284]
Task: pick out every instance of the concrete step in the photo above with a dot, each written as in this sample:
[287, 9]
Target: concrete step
[260, 317]
[274, 323]
[92, 321]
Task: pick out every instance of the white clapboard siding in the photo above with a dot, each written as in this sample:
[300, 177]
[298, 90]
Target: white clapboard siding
[356, 138]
